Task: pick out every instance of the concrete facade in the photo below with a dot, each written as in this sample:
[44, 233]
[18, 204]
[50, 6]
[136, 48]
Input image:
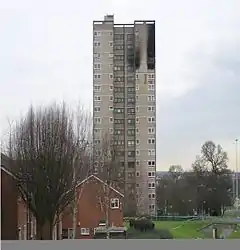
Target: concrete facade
[124, 104]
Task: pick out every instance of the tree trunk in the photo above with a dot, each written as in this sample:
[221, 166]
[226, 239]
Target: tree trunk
[44, 232]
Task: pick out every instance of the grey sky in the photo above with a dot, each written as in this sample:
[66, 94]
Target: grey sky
[46, 55]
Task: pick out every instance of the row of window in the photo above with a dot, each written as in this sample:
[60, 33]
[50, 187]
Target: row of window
[98, 44]
[150, 174]
[99, 33]
[129, 110]
[97, 88]
[118, 78]
[151, 98]
[98, 120]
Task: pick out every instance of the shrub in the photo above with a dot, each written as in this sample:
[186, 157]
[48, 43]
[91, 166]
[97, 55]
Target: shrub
[142, 224]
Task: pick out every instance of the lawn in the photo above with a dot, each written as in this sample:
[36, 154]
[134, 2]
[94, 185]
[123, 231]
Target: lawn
[235, 235]
[179, 230]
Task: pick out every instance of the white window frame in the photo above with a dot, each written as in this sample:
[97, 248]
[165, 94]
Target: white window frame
[111, 119]
[110, 108]
[137, 162]
[137, 130]
[110, 76]
[97, 120]
[151, 86]
[137, 141]
[97, 66]
[137, 120]
[137, 152]
[151, 165]
[97, 98]
[137, 86]
[110, 98]
[110, 55]
[152, 141]
[151, 152]
[114, 203]
[138, 173]
[151, 119]
[151, 98]
[97, 76]
[110, 43]
[97, 88]
[150, 109]
[97, 109]
[151, 130]
[110, 87]
[85, 231]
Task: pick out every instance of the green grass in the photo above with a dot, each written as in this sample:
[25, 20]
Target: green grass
[179, 229]
[235, 235]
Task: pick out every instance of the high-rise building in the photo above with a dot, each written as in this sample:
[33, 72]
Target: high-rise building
[124, 102]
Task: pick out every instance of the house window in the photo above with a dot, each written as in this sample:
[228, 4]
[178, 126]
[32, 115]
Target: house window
[151, 163]
[84, 231]
[97, 120]
[151, 86]
[137, 119]
[151, 119]
[151, 98]
[97, 66]
[110, 54]
[137, 152]
[151, 141]
[97, 109]
[110, 119]
[137, 173]
[110, 108]
[151, 152]
[97, 44]
[110, 44]
[97, 88]
[151, 108]
[151, 130]
[110, 98]
[97, 76]
[137, 141]
[110, 76]
[70, 233]
[137, 86]
[114, 203]
[97, 98]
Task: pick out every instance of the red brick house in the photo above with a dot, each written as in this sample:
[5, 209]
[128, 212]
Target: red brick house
[91, 208]
[9, 195]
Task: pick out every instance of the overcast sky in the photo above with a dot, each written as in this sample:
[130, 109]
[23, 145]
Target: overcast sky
[46, 55]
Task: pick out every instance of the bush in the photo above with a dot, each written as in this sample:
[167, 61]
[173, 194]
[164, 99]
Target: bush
[142, 224]
[165, 234]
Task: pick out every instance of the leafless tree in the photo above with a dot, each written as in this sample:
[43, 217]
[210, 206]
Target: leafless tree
[42, 147]
[108, 169]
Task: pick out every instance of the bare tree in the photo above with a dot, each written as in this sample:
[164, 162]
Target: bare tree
[108, 170]
[43, 146]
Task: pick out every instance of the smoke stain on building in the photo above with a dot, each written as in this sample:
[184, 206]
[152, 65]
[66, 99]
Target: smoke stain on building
[151, 47]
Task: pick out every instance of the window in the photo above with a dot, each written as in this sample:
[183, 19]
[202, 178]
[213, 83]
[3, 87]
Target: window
[137, 130]
[96, 55]
[151, 119]
[110, 98]
[151, 185]
[84, 231]
[131, 153]
[119, 110]
[114, 203]
[97, 88]
[110, 119]
[131, 111]
[138, 163]
[137, 152]
[111, 55]
[137, 184]
[97, 33]
[150, 86]
[151, 163]
[97, 141]
[97, 109]
[110, 44]
[151, 174]
[151, 76]
[97, 44]
[151, 206]
[151, 108]
[97, 66]
[151, 141]
[110, 33]
[110, 76]
[131, 132]
[137, 109]
[151, 152]
[97, 120]
[151, 130]
[131, 143]
[137, 173]
[151, 98]
[137, 141]
[97, 76]
[151, 196]
[97, 130]
[130, 121]
[111, 131]
[110, 108]
[136, 76]
[97, 98]
[137, 86]
[137, 119]
[110, 87]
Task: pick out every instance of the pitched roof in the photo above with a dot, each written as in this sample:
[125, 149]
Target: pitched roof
[98, 179]
[5, 165]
